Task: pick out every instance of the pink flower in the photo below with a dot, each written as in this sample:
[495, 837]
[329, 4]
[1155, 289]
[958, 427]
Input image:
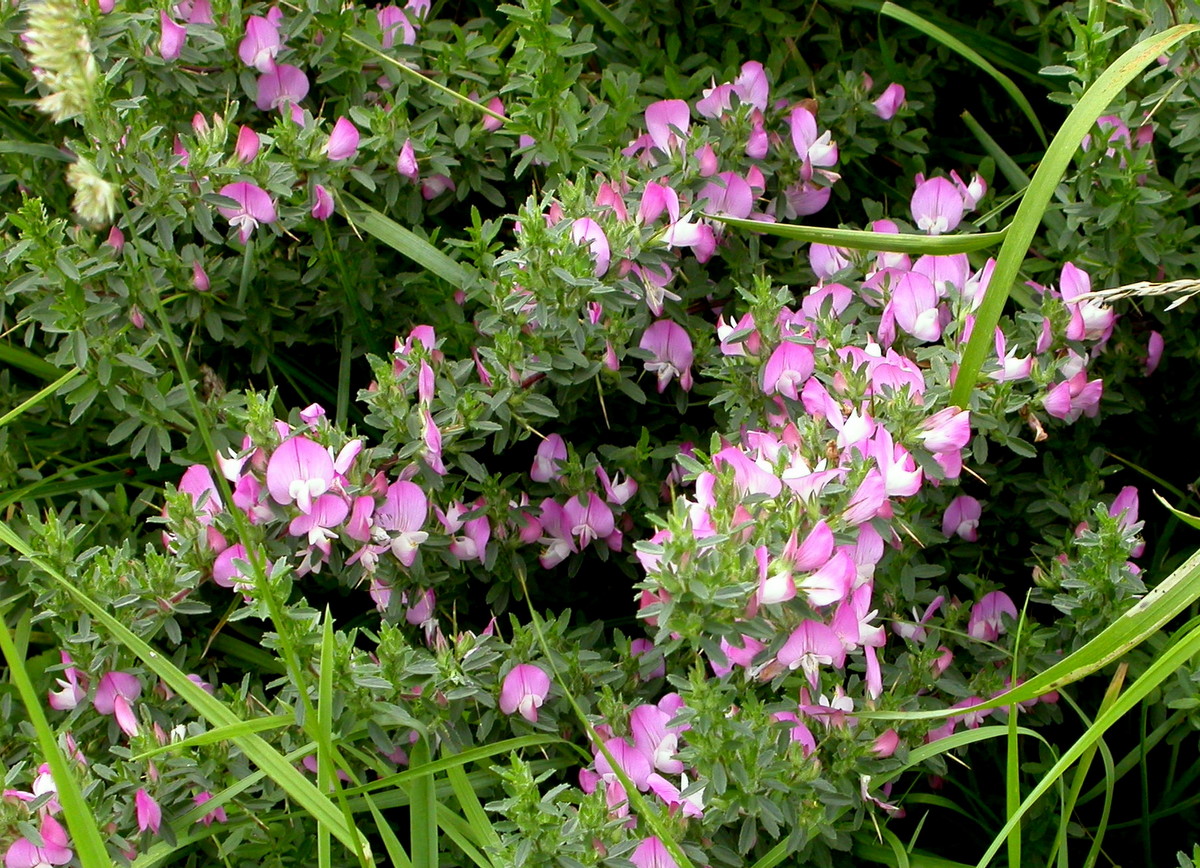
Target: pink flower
[671, 351]
[406, 163]
[890, 102]
[283, 85]
[73, 692]
[55, 849]
[587, 518]
[524, 690]
[547, 464]
[947, 430]
[255, 206]
[390, 18]
[260, 45]
[149, 814]
[667, 123]
[115, 695]
[651, 853]
[937, 206]
[812, 147]
[811, 645]
[298, 472]
[987, 616]
[436, 185]
[728, 194]
[751, 86]
[343, 141]
[217, 814]
[490, 123]
[962, 518]
[1154, 351]
[402, 515]
[172, 37]
[785, 372]
[322, 206]
[587, 229]
[915, 306]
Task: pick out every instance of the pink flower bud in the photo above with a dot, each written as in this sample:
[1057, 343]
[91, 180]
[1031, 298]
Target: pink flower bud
[322, 206]
[343, 141]
[247, 145]
[406, 163]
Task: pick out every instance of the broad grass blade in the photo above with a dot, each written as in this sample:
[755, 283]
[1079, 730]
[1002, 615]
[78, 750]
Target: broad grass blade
[1041, 188]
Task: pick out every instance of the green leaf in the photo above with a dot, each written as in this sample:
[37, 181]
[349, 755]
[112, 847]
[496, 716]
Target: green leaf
[409, 244]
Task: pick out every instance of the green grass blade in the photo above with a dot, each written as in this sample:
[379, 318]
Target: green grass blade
[477, 754]
[38, 397]
[1143, 619]
[461, 833]
[956, 45]
[1041, 188]
[85, 833]
[391, 843]
[1163, 667]
[881, 855]
[1085, 764]
[258, 751]
[221, 733]
[859, 239]
[31, 363]
[472, 809]
[325, 774]
[407, 243]
[422, 810]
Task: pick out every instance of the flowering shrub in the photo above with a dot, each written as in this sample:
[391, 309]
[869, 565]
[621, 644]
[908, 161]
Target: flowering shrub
[594, 391]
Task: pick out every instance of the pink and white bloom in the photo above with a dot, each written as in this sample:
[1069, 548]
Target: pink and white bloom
[671, 348]
[585, 229]
[786, 371]
[667, 123]
[915, 305]
[587, 518]
[74, 687]
[810, 646]
[282, 87]
[524, 690]
[254, 206]
[260, 45]
[987, 616]
[962, 518]
[115, 694]
[298, 472]
[400, 519]
[937, 206]
[548, 462]
[55, 849]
